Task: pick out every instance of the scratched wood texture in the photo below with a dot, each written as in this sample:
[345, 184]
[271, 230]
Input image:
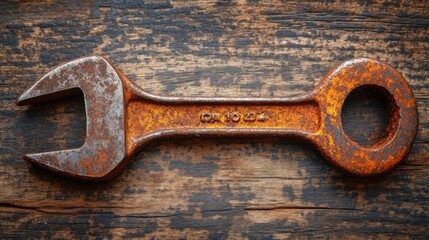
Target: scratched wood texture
[212, 188]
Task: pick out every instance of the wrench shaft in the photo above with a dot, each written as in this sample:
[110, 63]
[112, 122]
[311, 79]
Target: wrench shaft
[228, 117]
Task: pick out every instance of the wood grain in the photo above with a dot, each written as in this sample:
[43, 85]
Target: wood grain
[211, 188]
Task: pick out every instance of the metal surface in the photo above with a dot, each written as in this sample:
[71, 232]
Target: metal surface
[122, 118]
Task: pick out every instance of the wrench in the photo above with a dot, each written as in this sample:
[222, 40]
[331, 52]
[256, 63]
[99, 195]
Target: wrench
[122, 118]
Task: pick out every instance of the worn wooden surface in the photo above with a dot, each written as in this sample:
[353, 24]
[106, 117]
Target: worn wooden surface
[211, 188]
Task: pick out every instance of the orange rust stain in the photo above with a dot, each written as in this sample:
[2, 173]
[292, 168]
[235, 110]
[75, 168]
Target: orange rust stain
[101, 158]
[144, 117]
[87, 165]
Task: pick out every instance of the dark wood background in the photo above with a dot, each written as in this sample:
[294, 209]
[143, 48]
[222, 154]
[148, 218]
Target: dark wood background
[212, 188]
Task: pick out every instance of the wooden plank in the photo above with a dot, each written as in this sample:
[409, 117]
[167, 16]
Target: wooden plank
[211, 188]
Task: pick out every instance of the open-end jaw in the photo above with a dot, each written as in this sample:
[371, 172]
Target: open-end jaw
[104, 147]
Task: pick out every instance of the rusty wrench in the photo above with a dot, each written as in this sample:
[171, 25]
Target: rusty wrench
[122, 118]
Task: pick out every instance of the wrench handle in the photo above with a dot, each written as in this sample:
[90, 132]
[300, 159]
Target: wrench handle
[156, 117]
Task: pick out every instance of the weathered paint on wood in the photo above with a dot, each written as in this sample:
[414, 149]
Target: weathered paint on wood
[211, 188]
